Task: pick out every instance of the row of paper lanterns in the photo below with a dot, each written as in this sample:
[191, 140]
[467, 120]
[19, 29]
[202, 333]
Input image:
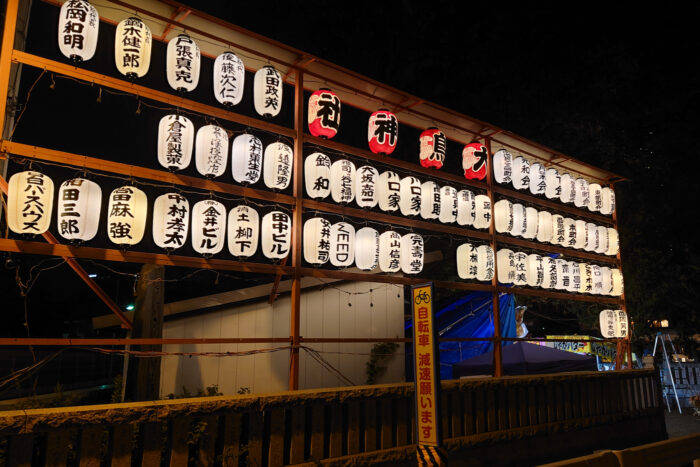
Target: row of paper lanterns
[369, 188]
[520, 221]
[522, 269]
[548, 182]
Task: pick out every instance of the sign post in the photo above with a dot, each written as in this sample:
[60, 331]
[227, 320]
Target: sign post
[426, 365]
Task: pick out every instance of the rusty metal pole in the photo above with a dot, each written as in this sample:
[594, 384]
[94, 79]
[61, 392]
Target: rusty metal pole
[497, 351]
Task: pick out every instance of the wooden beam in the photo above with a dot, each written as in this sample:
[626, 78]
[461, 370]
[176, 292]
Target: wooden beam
[559, 295]
[60, 342]
[495, 297]
[8, 44]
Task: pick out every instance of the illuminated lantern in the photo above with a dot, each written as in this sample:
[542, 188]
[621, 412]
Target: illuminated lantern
[506, 266]
[575, 283]
[278, 161]
[175, 141]
[595, 197]
[317, 175]
[618, 285]
[552, 183]
[538, 183]
[568, 189]
[267, 91]
[211, 151]
[466, 207]
[243, 231]
[530, 223]
[430, 200]
[171, 221]
[366, 249]
[521, 173]
[597, 276]
[126, 215]
[606, 279]
[276, 235]
[382, 132]
[613, 242]
[324, 113]
[569, 232]
[592, 238]
[229, 79]
[520, 260]
[549, 281]
[544, 227]
[410, 196]
[502, 166]
[603, 240]
[609, 324]
[482, 219]
[581, 235]
[208, 227]
[503, 216]
[563, 274]
[390, 251]
[343, 181]
[581, 193]
[366, 179]
[607, 197]
[586, 278]
[535, 270]
[182, 63]
[317, 240]
[448, 205]
[389, 191]
[412, 253]
[474, 160]
[467, 260]
[519, 222]
[132, 47]
[558, 232]
[79, 204]
[246, 158]
[622, 324]
[485, 263]
[78, 27]
[342, 244]
[433, 147]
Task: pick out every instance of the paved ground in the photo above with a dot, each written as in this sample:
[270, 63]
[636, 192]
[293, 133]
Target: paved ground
[682, 424]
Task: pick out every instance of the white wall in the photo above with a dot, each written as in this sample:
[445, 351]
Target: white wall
[324, 313]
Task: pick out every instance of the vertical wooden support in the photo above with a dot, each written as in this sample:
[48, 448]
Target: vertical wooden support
[179, 450]
[457, 413]
[255, 438]
[275, 455]
[623, 303]
[317, 431]
[371, 423]
[491, 418]
[152, 443]
[502, 408]
[57, 448]
[206, 455]
[232, 440]
[468, 412]
[90, 444]
[512, 408]
[402, 427]
[8, 44]
[335, 448]
[122, 445]
[296, 448]
[445, 414]
[532, 405]
[21, 450]
[353, 427]
[480, 408]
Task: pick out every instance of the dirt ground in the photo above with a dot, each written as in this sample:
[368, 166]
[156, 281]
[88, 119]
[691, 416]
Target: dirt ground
[682, 424]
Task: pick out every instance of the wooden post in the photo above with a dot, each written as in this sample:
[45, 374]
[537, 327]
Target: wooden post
[497, 351]
[8, 44]
[143, 381]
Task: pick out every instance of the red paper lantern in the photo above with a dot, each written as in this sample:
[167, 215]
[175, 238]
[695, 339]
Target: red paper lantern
[383, 132]
[433, 146]
[474, 160]
[324, 113]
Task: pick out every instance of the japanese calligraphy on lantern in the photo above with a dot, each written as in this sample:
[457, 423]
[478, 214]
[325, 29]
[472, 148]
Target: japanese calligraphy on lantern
[410, 196]
[613, 324]
[448, 205]
[211, 151]
[171, 220]
[467, 260]
[521, 173]
[78, 26]
[175, 141]
[229, 77]
[278, 162]
[243, 231]
[208, 227]
[79, 203]
[29, 202]
[267, 91]
[182, 63]
[503, 166]
[567, 189]
[324, 113]
[552, 183]
[412, 253]
[343, 181]
[474, 160]
[433, 147]
[317, 175]
[390, 251]
[482, 218]
[342, 244]
[317, 240]
[366, 179]
[426, 367]
[430, 200]
[485, 263]
[382, 132]
[246, 158]
[126, 215]
[366, 249]
[466, 207]
[389, 191]
[538, 183]
[132, 48]
[276, 234]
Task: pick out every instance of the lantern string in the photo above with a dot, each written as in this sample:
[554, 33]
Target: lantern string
[26, 102]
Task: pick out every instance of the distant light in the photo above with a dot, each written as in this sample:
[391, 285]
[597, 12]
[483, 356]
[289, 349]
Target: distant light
[92, 276]
[664, 323]
[130, 307]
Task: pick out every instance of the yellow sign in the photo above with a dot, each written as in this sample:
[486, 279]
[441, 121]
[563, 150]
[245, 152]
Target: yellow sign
[604, 350]
[426, 367]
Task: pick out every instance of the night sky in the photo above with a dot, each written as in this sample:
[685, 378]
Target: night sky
[613, 87]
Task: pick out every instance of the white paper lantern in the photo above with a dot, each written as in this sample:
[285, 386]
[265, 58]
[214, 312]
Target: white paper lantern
[569, 232]
[613, 324]
[503, 216]
[520, 260]
[229, 78]
[622, 324]
[412, 253]
[208, 227]
[558, 279]
[343, 181]
[211, 151]
[448, 205]
[581, 234]
[521, 173]
[565, 278]
[535, 270]
[278, 162]
[171, 221]
[581, 193]
[485, 263]
[618, 283]
[519, 221]
[575, 283]
[544, 227]
[390, 251]
[466, 207]
[597, 276]
[366, 249]
[482, 220]
[549, 281]
[126, 215]
[595, 197]
[430, 200]
[592, 239]
[243, 231]
[366, 179]
[276, 234]
[78, 27]
[246, 158]
[78, 211]
[175, 141]
[342, 244]
[530, 223]
[182, 63]
[132, 47]
[568, 189]
[410, 196]
[317, 240]
[558, 231]
[537, 179]
[267, 91]
[502, 166]
[607, 196]
[505, 260]
[389, 191]
[586, 278]
[317, 175]
[606, 280]
[602, 240]
[613, 242]
[467, 261]
[552, 183]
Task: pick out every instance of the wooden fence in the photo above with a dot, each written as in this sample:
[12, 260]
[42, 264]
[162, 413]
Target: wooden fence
[539, 418]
